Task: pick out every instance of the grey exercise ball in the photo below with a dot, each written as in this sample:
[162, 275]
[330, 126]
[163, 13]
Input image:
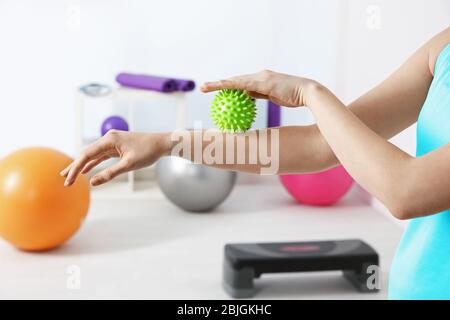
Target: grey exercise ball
[193, 187]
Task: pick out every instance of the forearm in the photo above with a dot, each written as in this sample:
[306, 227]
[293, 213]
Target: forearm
[290, 149]
[379, 166]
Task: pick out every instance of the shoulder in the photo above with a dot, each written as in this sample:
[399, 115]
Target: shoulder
[435, 47]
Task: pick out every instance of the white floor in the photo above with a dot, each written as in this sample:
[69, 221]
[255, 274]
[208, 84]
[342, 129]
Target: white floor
[147, 248]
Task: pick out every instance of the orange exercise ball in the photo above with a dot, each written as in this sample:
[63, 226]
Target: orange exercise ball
[36, 211]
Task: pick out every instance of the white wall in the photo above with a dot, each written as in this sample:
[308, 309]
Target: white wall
[304, 44]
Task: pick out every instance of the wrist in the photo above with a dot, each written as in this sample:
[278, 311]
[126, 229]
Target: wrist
[313, 90]
[164, 143]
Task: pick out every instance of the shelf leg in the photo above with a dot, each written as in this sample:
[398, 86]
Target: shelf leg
[79, 109]
[181, 112]
[130, 106]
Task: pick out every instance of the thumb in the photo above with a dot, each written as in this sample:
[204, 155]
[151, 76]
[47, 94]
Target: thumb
[110, 173]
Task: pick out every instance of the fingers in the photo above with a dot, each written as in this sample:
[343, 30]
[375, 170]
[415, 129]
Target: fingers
[219, 85]
[65, 171]
[257, 95]
[258, 83]
[93, 163]
[93, 152]
[110, 173]
[243, 82]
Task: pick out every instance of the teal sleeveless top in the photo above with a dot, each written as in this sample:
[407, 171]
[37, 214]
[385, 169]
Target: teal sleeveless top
[421, 267]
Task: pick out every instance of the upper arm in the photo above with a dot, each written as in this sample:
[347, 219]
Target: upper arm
[395, 103]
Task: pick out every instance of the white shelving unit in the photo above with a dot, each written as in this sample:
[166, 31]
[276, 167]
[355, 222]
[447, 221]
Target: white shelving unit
[130, 96]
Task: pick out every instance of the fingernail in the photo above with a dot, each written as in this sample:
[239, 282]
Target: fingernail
[66, 183]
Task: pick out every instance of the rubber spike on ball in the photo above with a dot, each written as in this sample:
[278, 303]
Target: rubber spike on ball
[233, 110]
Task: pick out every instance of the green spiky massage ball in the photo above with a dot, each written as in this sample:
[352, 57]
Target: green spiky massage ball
[233, 110]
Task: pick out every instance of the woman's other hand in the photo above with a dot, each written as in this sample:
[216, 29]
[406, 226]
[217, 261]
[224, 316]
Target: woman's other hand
[135, 150]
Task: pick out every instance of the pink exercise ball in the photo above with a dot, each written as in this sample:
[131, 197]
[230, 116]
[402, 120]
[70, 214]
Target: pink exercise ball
[319, 189]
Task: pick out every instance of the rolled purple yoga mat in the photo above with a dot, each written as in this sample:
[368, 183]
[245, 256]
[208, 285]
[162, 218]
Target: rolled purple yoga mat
[185, 85]
[161, 84]
[142, 81]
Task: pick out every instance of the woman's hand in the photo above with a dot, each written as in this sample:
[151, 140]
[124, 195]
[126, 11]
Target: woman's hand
[135, 150]
[283, 89]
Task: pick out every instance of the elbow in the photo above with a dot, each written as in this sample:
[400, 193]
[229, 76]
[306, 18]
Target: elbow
[403, 198]
[404, 204]
[401, 211]
[407, 192]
